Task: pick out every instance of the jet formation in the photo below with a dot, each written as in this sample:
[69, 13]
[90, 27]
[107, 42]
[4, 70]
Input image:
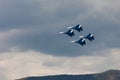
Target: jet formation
[82, 39]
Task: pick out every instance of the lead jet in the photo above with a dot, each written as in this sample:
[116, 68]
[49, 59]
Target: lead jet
[70, 33]
[89, 37]
[80, 41]
[77, 28]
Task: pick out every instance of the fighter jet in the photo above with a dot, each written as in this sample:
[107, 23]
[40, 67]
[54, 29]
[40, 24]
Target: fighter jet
[77, 28]
[70, 33]
[89, 37]
[80, 41]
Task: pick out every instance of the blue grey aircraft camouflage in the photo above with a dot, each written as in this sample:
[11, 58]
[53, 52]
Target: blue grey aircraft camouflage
[70, 33]
[78, 28]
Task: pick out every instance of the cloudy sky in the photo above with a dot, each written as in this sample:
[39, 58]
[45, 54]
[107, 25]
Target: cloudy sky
[30, 43]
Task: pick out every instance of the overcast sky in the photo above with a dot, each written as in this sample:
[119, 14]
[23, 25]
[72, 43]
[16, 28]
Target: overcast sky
[30, 43]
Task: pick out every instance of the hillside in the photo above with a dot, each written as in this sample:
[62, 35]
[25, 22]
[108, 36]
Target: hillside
[108, 75]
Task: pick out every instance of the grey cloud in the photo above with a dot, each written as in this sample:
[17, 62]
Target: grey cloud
[20, 14]
[17, 14]
[48, 19]
[56, 44]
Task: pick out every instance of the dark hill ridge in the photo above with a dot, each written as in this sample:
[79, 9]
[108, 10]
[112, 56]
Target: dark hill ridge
[108, 75]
